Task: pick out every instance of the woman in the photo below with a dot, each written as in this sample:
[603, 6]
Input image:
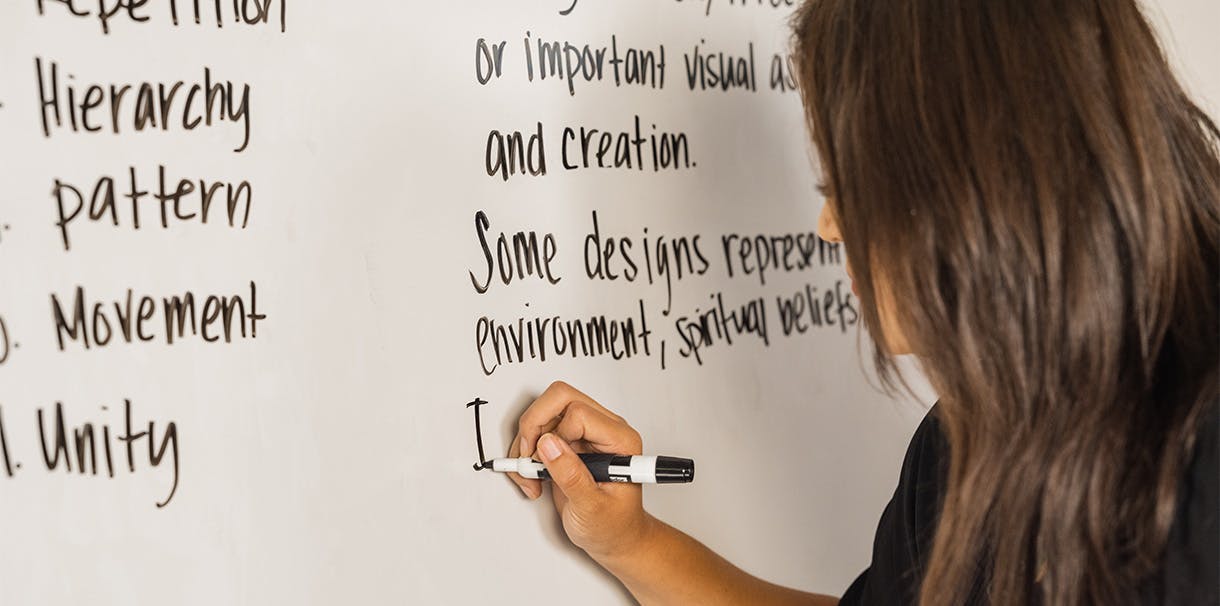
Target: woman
[1030, 205]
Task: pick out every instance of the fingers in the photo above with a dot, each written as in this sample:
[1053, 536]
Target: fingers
[543, 414]
[532, 489]
[581, 422]
[523, 446]
[568, 473]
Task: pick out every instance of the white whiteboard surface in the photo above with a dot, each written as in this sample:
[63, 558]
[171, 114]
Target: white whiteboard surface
[327, 458]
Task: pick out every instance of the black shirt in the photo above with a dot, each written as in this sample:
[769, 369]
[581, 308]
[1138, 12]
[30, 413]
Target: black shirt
[1190, 573]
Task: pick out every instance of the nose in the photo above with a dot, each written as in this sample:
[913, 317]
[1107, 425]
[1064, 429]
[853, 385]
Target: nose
[828, 225]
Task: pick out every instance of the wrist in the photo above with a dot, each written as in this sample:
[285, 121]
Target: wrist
[631, 547]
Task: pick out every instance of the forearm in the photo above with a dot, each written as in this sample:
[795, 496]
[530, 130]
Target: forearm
[669, 567]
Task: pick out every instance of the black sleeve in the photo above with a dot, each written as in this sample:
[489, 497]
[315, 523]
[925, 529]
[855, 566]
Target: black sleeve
[904, 533]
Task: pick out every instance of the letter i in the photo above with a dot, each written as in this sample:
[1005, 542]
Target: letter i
[529, 59]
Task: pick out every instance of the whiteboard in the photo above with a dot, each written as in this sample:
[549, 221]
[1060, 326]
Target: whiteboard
[310, 442]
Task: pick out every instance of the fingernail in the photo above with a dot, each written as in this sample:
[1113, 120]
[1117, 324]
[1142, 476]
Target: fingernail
[548, 447]
[524, 447]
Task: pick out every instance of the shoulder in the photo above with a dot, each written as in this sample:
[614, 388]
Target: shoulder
[921, 487]
[921, 482]
[928, 447]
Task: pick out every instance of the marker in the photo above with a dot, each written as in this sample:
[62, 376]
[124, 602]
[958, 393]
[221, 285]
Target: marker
[637, 469]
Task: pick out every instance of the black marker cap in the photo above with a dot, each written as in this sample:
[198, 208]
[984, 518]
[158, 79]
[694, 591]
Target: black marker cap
[673, 470]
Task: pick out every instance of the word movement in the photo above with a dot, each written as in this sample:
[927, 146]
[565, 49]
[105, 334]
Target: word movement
[135, 319]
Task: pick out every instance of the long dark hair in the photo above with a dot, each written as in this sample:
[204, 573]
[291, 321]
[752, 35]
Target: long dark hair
[1028, 183]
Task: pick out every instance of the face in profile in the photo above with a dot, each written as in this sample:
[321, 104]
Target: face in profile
[896, 342]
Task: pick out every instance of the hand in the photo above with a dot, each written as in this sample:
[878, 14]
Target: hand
[603, 519]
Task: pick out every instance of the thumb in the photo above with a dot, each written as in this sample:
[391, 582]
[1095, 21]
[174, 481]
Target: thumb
[568, 472]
